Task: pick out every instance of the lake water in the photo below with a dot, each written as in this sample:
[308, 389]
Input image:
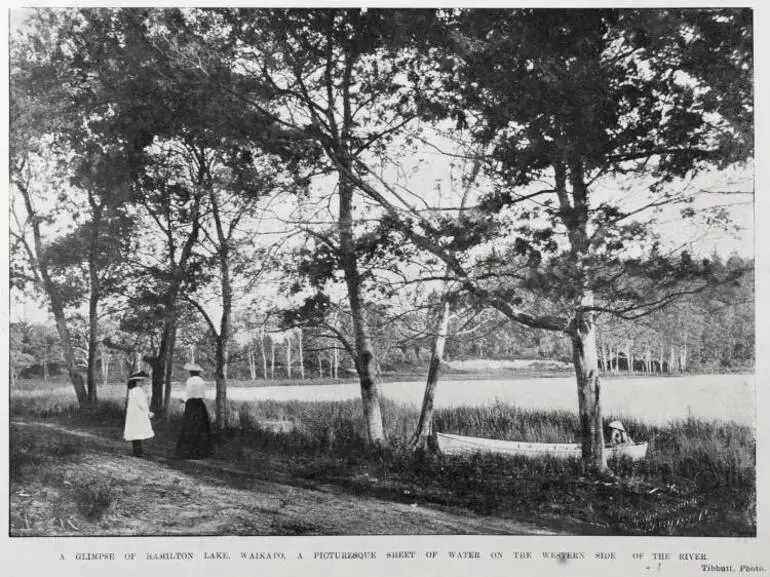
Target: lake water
[654, 400]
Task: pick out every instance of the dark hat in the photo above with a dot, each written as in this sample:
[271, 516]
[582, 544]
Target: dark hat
[138, 376]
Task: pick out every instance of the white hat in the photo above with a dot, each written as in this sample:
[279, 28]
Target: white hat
[193, 367]
[616, 425]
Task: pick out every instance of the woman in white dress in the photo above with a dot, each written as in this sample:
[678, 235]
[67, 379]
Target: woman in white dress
[137, 427]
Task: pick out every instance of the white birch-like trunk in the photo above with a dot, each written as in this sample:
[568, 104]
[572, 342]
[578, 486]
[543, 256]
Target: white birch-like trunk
[629, 360]
[648, 361]
[264, 354]
[662, 355]
[683, 354]
[272, 359]
[288, 356]
[252, 365]
[605, 368]
[301, 355]
[672, 361]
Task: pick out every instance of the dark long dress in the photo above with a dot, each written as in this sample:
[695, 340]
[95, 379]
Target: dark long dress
[195, 437]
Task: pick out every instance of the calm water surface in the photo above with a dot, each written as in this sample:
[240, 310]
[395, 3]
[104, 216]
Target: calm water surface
[655, 400]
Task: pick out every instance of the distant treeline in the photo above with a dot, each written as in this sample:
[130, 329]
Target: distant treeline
[709, 331]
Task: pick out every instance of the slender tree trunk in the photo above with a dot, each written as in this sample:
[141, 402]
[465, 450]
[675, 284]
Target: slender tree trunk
[168, 367]
[264, 355]
[629, 360]
[161, 378]
[672, 359]
[252, 365]
[93, 345]
[365, 365]
[683, 355]
[613, 359]
[45, 360]
[604, 357]
[589, 390]
[320, 366]
[57, 308]
[159, 363]
[69, 353]
[288, 355]
[93, 298]
[662, 355]
[272, 358]
[301, 355]
[105, 358]
[422, 435]
[221, 413]
[222, 409]
[648, 361]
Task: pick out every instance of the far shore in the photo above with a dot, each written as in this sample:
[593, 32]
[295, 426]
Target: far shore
[447, 374]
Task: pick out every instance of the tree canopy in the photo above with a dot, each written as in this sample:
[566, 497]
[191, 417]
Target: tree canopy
[176, 162]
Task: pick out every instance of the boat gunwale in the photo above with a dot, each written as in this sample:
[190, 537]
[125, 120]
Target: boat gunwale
[468, 444]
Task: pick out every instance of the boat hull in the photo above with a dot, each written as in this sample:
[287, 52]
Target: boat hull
[459, 445]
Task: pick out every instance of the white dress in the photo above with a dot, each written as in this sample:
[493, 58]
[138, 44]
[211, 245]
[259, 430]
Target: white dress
[138, 425]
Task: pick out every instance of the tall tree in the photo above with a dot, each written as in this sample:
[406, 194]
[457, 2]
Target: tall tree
[330, 71]
[574, 97]
[583, 95]
[38, 115]
[235, 181]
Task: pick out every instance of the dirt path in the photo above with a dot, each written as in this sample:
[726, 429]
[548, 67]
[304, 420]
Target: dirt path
[163, 496]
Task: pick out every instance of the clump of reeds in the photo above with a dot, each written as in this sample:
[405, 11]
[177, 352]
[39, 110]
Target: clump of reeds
[505, 421]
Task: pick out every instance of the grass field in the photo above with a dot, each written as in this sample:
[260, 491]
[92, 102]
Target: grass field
[698, 479]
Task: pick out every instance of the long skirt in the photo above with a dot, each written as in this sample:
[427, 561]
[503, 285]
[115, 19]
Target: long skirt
[195, 437]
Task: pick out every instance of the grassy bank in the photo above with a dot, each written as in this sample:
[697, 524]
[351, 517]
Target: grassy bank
[698, 479]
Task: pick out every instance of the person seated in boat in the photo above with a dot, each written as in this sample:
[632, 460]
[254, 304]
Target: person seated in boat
[618, 434]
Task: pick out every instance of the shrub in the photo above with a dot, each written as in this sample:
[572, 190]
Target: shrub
[94, 498]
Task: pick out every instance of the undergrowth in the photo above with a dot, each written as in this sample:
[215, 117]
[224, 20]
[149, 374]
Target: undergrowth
[698, 477]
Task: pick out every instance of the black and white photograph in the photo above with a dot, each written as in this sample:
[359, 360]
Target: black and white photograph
[358, 271]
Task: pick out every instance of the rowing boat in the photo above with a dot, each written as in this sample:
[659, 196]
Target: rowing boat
[459, 445]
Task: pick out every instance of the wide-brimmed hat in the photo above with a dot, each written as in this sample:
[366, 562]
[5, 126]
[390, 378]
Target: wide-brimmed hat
[138, 376]
[193, 368]
[616, 425]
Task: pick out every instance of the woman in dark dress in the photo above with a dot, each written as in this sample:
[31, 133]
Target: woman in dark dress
[195, 437]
